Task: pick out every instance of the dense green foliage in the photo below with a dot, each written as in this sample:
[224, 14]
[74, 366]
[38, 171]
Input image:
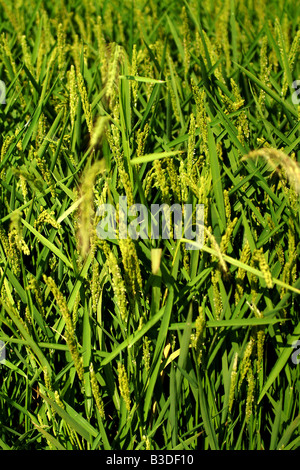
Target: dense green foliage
[144, 344]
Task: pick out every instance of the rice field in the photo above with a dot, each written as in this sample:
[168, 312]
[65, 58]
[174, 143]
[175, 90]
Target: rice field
[149, 343]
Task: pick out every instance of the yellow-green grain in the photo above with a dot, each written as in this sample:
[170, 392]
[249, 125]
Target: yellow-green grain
[96, 392]
[124, 385]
